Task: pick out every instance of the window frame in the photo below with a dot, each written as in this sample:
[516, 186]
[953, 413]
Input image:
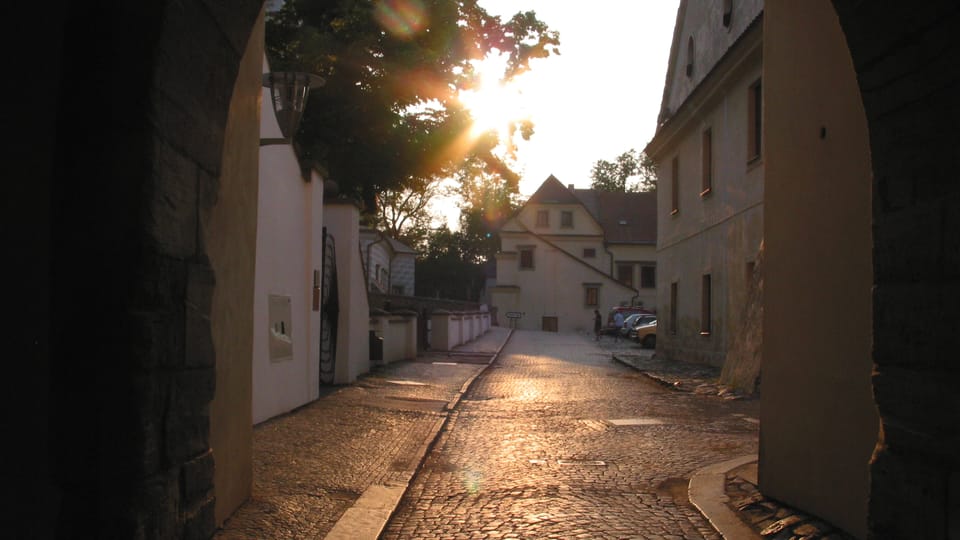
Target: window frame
[706, 162]
[591, 289]
[706, 305]
[755, 121]
[630, 268]
[543, 218]
[652, 282]
[589, 253]
[566, 219]
[675, 186]
[526, 250]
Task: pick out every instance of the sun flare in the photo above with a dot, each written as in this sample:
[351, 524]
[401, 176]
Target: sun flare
[494, 104]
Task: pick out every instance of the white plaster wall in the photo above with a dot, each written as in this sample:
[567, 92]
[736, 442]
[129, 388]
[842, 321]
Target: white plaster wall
[554, 288]
[342, 220]
[286, 255]
[717, 233]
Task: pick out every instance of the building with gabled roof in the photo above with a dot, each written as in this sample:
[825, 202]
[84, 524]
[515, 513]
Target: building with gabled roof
[568, 252]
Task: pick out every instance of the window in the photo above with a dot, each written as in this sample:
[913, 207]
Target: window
[589, 253]
[648, 277]
[625, 274]
[675, 186]
[706, 157]
[566, 218]
[690, 56]
[673, 308]
[592, 295]
[755, 121]
[526, 258]
[705, 306]
[727, 12]
[543, 218]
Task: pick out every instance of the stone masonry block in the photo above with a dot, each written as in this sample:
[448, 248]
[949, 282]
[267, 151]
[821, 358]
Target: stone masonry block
[196, 478]
[902, 334]
[188, 419]
[919, 410]
[172, 213]
[908, 497]
[198, 349]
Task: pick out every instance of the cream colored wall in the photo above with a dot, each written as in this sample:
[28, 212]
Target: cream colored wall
[288, 250]
[718, 233]
[230, 236]
[554, 288]
[819, 423]
[342, 220]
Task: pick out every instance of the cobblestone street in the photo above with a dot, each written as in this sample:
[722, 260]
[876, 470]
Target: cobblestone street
[557, 440]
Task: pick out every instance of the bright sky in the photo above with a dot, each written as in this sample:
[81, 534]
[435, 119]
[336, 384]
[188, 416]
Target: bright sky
[600, 97]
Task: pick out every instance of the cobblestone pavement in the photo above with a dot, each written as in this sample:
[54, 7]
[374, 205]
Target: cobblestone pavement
[769, 518]
[312, 464]
[559, 440]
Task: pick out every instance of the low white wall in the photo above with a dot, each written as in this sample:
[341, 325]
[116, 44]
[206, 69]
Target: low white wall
[399, 333]
[450, 329]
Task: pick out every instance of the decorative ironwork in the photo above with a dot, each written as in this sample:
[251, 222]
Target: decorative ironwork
[329, 310]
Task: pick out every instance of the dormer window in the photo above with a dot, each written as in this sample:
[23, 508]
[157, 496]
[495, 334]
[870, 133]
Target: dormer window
[690, 56]
[727, 12]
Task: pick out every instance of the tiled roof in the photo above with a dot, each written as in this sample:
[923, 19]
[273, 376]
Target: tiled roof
[551, 191]
[626, 218]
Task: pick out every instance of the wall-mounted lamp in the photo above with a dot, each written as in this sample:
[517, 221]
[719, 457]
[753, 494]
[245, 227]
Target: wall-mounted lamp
[289, 91]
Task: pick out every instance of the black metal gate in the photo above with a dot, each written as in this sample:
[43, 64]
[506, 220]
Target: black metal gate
[329, 310]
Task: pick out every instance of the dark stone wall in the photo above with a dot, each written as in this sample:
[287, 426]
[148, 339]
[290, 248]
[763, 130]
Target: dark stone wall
[139, 122]
[907, 60]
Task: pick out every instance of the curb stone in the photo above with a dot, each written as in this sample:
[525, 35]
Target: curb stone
[369, 515]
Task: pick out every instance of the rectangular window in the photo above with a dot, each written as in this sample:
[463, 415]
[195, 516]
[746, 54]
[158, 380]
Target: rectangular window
[706, 156]
[648, 277]
[566, 218]
[526, 258]
[543, 218]
[754, 121]
[750, 276]
[589, 253]
[705, 306]
[675, 187]
[625, 274]
[673, 308]
[592, 297]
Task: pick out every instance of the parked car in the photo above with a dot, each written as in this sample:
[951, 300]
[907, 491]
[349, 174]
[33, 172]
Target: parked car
[633, 321]
[609, 329]
[645, 334]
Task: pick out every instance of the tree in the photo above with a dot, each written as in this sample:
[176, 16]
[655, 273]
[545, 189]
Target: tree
[388, 117]
[614, 176]
[405, 214]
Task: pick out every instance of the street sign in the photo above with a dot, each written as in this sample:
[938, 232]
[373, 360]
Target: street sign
[514, 314]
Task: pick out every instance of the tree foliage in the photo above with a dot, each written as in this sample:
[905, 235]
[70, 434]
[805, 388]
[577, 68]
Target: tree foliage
[616, 175]
[388, 118]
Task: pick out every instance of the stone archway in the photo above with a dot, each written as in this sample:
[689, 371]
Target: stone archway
[906, 59]
[125, 127]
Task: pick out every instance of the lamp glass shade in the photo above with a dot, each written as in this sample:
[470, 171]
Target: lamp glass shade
[289, 91]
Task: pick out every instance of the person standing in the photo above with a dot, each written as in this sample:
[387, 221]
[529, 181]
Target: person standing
[617, 325]
[597, 323]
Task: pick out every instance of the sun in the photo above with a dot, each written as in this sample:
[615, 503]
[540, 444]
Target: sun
[495, 104]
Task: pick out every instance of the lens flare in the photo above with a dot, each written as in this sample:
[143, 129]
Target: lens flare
[401, 18]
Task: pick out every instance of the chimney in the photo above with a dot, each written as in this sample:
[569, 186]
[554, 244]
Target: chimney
[570, 187]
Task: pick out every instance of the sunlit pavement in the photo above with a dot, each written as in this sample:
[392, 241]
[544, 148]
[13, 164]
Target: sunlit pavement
[558, 440]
